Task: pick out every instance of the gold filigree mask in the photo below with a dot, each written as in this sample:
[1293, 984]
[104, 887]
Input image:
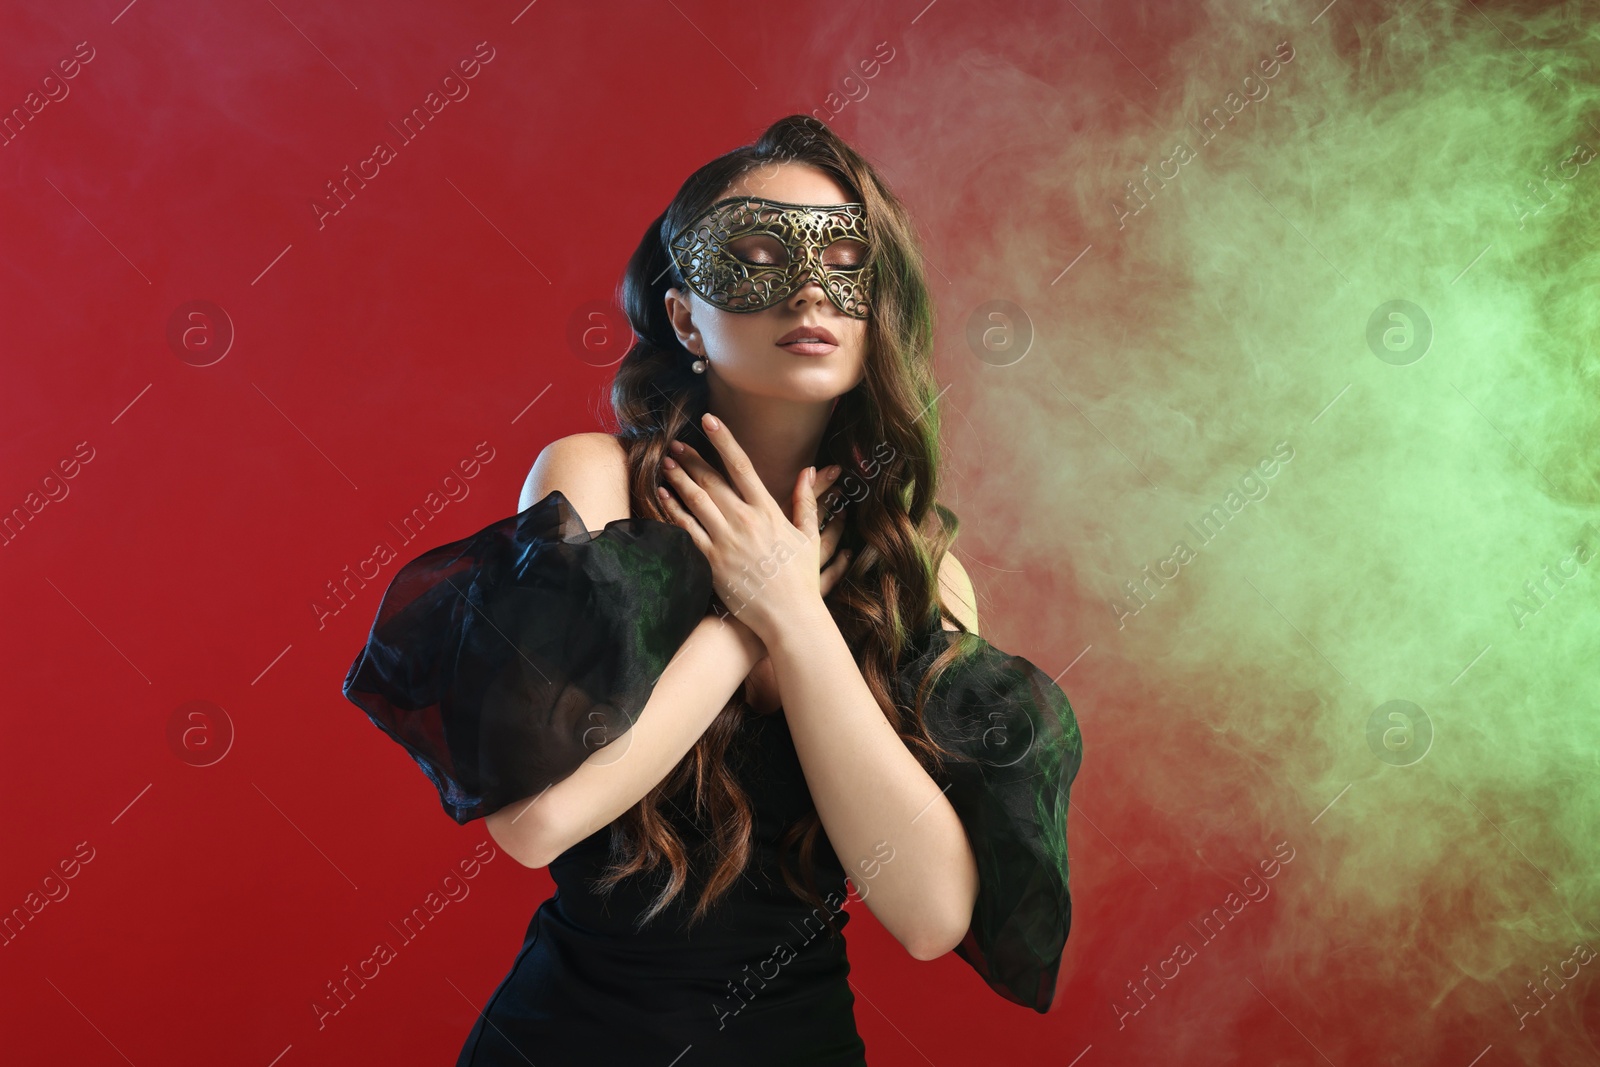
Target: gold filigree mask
[748, 253]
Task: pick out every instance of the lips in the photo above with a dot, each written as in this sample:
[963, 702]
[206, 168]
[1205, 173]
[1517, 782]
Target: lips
[809, 341]
[817, 332]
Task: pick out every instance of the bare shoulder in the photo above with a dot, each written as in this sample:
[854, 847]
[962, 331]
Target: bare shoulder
[957, 594]
[590, 470]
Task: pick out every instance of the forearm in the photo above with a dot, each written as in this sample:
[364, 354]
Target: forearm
[695, 686]
[871, 793]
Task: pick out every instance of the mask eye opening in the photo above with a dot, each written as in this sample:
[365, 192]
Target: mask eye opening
[758, 250]
[854, 248]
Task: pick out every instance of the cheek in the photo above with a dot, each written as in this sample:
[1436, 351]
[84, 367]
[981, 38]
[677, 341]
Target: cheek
[859, 345]
[739, 339]
[742, 350]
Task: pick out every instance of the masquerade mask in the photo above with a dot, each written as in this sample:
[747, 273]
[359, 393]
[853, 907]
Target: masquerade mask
[747, 253]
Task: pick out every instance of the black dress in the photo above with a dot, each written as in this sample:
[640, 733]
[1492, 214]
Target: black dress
[501, 661]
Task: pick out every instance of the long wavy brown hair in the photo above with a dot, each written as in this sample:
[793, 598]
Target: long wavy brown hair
[884, 433]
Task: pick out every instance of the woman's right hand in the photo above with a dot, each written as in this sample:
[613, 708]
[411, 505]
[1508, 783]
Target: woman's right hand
[834, 564]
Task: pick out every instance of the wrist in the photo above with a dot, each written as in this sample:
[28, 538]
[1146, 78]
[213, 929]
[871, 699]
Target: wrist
[797, 625]
[745, 639]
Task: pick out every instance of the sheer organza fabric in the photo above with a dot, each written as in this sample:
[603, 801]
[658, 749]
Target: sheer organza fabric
[500, 662]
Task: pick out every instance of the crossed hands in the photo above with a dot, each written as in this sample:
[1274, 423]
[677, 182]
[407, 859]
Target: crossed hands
[765, 568]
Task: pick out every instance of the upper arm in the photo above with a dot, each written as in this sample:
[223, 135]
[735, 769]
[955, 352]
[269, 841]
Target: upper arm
[503, 832]
[515, 829]
[590, 470]
[956, 594]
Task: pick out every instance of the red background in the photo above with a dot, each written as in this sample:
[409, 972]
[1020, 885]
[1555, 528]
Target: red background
[215, 474]
[370, 354]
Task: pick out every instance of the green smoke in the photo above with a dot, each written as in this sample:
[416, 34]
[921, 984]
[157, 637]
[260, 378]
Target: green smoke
[1381, 262]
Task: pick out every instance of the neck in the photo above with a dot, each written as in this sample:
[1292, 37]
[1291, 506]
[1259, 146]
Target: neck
[781, 437]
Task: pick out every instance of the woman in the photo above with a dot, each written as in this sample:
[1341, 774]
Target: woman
[716, 717]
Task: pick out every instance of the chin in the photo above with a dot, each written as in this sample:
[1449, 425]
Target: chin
[802, 385]
[816, 389]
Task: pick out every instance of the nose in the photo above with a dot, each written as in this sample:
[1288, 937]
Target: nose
[810, 288]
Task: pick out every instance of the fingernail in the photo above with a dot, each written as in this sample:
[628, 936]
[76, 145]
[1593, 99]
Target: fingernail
[669, 463]
[676, 446]
[833, 471]
[712, 423]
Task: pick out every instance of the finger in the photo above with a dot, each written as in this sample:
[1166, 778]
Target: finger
[740, 469]
[681, 518]
[829, 507]
[696, 499]
[832, 534]
[829, 500]
[805, 502]
[834, 572]
[705, 476]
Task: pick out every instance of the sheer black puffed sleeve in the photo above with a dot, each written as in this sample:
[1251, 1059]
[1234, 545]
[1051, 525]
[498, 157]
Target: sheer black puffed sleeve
[1021, 750]
[501, 661]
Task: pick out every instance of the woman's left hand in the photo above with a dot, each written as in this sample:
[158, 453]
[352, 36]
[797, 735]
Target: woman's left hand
[765, 568]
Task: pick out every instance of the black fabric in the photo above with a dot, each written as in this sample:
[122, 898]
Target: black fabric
[501, 661]
[1022, 750]
[759, 981]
